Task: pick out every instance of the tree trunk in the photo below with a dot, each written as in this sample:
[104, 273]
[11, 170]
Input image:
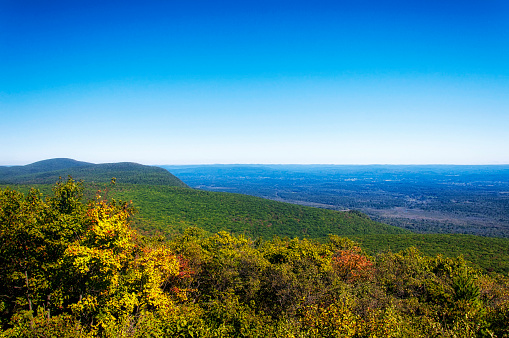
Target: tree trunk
[29, 299]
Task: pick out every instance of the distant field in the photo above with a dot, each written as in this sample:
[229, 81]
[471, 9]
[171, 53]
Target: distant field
[424, 199]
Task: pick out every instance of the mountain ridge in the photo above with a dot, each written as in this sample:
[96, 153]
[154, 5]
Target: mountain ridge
[49, 171]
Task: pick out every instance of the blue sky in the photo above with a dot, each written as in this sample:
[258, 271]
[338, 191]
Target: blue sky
[181, 82]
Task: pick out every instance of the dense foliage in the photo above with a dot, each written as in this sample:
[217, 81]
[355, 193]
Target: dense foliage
[161, 206]
[74, 269]
[170, 210]
[491, 254]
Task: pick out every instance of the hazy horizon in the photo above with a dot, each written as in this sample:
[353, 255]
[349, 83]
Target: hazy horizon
[263, 82]
[270, 164]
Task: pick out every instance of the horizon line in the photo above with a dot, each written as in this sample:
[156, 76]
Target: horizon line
[268, 163]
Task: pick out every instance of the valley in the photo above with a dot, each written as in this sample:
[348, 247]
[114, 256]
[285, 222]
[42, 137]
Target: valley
[424, 199]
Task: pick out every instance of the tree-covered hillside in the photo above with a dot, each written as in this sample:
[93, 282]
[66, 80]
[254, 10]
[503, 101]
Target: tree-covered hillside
[491, 254]
[422, 198]
[48, 172]
[171, 209]
[70, 268]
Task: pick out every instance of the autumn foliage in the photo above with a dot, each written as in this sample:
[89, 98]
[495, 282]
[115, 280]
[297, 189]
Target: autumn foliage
[77, 269]
[351, 265]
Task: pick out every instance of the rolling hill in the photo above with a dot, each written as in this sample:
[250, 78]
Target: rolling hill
[49, 171]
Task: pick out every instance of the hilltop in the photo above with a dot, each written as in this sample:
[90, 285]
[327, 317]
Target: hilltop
[49, 171]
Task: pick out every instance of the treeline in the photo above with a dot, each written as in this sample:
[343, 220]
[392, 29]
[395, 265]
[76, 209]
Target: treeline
[74, 269]
[480, 226]
[490, 254]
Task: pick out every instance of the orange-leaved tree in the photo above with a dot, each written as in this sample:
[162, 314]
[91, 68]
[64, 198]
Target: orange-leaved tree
[351, 265]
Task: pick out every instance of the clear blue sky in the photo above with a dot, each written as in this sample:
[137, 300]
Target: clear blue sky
[177, 82]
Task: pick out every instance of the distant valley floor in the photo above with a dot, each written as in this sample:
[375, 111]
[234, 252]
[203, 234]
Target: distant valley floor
[426, 199]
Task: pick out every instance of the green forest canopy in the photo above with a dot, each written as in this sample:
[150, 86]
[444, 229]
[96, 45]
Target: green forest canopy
[77, 269]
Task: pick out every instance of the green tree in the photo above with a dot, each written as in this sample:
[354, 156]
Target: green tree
[34, 234]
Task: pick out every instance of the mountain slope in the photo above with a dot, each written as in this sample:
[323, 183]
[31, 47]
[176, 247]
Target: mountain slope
[7, 173]
[170, 210]
[49, 171]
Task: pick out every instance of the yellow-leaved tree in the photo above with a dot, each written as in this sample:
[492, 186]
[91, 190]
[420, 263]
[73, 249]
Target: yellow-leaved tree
[115, 277]
[65, 259]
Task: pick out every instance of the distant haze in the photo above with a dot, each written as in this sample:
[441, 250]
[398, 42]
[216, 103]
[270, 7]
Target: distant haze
[199, 82]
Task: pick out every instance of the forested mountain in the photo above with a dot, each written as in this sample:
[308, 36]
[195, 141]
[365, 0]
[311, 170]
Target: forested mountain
[74, 268]
[48, 172]
[171, 210]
